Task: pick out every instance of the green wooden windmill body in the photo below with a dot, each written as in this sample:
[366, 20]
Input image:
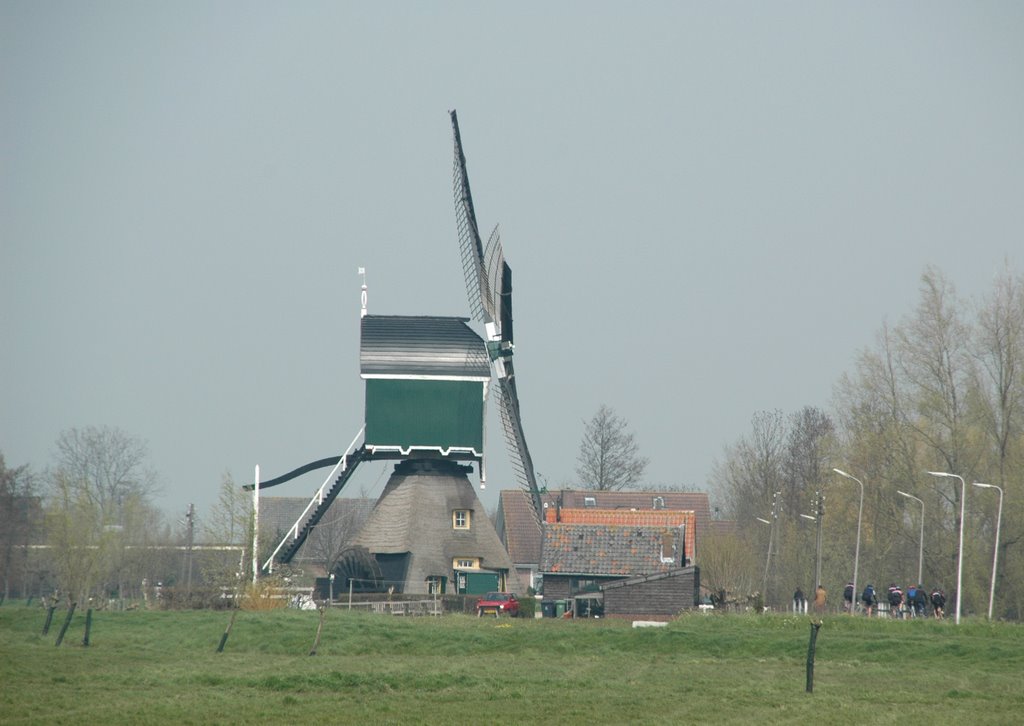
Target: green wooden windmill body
[426, 384]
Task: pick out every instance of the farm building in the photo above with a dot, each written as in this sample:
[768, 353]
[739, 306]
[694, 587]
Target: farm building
[522, 534]
[579, 562]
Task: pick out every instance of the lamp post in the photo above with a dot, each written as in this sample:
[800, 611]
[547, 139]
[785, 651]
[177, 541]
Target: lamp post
[860, 514]
[960, 553]
[768, 559]
[995, 550]
[920, 549]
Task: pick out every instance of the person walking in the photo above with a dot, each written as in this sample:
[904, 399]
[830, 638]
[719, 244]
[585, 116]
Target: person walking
[799, 601]
[820, 598]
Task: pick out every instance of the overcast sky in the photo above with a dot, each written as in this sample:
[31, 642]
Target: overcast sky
[709, 208]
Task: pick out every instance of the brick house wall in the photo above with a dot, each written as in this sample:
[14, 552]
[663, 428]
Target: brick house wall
[653, 597]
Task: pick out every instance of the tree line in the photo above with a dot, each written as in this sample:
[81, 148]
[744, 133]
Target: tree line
[942, 390]
[88, 530]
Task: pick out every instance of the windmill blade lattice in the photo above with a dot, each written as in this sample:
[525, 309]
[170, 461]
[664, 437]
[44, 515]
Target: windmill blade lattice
[470, 245]
[489, 288]
[515, 441]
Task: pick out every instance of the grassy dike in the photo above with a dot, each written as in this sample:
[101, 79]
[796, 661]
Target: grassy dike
[161, 667]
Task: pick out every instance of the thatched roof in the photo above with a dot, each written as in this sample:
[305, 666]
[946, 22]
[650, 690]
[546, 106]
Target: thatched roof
[414, 515]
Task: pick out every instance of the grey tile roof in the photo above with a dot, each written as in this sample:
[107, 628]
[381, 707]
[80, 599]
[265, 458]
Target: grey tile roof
[406, 345]
[518, 528]
[602, 549]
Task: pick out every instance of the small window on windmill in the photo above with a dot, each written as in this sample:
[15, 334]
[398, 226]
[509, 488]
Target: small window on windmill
[460, 519]
[589, 501]
[659, 503]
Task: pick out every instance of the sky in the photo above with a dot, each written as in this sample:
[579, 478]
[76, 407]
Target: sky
[709, 209]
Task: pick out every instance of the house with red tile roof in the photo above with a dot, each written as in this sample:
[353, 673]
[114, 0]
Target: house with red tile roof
[647, 542]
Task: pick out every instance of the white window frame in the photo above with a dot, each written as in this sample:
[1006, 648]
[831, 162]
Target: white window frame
[467, 515]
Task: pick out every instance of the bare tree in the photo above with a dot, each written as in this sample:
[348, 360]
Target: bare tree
[999, 346]
[106, 466]
[229, 522]
[99, 505]
[728, 568]
[609, 457]
[19, 514]
[752, 470]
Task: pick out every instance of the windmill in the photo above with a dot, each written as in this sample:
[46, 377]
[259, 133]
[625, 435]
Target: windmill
[489, 288]
[426, 383]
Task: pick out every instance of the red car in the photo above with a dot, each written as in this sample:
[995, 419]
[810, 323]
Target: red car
[498, 603]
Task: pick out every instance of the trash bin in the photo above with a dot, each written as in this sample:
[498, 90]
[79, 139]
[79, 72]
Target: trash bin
[559, 608]
[547, 608]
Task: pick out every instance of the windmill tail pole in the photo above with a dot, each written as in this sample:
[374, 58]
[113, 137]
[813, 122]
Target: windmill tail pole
[810, 656]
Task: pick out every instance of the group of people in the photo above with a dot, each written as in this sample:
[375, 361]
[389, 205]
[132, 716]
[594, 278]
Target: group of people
[913, 603]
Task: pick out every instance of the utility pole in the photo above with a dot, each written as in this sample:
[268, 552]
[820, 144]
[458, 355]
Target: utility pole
[820, 515]
[190, 517]
[771, 542]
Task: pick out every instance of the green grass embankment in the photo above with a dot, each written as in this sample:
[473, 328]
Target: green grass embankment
[161, 667]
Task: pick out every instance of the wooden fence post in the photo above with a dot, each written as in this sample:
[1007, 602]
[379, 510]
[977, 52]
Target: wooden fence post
[319, 629]
[49, 618]
[67, 623]
[810, 656]
[88, 627]
[227, 631]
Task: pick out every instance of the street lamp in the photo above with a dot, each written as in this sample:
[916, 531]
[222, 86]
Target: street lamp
[920, 550]
[860, 514]
[960, 554]
[995, 550]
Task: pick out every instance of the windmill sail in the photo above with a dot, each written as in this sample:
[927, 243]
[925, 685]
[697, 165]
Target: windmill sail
[515, 441]
[470, 245]
[489, 287]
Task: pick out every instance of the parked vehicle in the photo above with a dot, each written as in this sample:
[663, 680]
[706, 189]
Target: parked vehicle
[498, 603]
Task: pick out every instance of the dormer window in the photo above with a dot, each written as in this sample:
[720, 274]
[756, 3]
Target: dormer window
[589, 501]
[461, 519]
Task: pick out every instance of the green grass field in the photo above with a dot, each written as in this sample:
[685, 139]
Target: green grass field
[161, 667]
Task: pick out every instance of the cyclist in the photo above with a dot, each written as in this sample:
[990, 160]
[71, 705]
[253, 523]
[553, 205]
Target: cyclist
[939, 602]
[869, 599]
[895, 596]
